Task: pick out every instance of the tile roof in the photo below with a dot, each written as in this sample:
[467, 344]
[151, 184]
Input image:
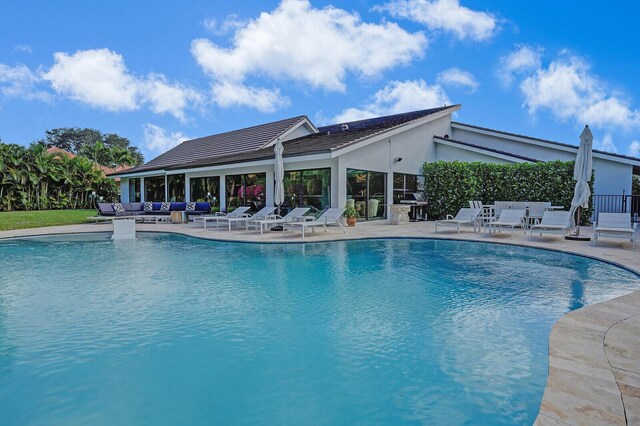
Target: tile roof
[328, 139]
[484, 148]
[220, 145]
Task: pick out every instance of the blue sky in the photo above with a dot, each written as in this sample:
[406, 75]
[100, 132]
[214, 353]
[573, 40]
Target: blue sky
[160, 72]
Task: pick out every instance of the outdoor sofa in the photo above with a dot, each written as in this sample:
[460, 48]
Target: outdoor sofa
[153, 208]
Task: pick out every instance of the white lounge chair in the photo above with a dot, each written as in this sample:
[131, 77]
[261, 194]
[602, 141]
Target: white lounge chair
[537, 210]
[553, 222]
[615, 225]
[214, 217]
[294, 215]
[329, 217]
[466, 216]
[245, 217]
[508, 219]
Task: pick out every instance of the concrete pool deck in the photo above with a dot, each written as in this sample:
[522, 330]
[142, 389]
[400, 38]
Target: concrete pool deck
[594, 352]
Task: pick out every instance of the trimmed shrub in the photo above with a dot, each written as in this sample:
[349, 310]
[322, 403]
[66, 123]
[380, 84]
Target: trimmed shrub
[450, 186]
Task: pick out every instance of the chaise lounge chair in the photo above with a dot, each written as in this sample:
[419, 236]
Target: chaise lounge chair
[466, 216]
[553, 222]
[293, 216]
[214, 218]
[244, 218]
[329, 217]
[508, 219]
[615, 225]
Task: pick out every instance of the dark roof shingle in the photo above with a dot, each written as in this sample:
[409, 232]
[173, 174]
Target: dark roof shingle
[246, 144]
[222, 144]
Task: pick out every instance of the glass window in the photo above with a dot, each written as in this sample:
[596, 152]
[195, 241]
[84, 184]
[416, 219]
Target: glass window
[177, 187]
[368, 191]
[154, 188]
[134, 190]
[404, 184]
[205, 189]
[308, 188]
[246, 190]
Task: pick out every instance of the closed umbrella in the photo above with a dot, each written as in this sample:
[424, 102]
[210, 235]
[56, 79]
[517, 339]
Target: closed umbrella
[582, 175]
[278, 190]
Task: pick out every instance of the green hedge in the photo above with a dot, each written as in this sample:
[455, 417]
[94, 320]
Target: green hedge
[450, 186]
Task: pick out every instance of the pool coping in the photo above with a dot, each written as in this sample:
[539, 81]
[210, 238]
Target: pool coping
[594, 366]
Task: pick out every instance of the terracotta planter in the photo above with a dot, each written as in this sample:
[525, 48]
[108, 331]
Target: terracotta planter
[351, 221]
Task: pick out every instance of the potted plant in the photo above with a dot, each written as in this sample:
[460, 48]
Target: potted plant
[350, 214]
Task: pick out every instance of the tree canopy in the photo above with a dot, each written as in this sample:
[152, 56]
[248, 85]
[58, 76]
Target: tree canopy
[33, 179]
[109, 150]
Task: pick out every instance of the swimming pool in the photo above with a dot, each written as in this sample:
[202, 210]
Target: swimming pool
[175, 330]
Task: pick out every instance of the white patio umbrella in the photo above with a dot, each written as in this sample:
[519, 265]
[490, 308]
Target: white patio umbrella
[278, 190]
[582, 175]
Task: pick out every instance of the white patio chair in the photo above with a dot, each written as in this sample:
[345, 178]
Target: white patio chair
[215, 217]
[615, 225]
[485, 214]
[499, 206]
[553, 222]
[465, 216]
[537, 210]
[245, 217]
[329, 217]
[294, 215]
[508, 219]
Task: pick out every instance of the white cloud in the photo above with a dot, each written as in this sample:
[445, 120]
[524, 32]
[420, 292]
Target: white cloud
[99, 78]
[522, 59]
[606, 144]
[397, 97]
[158, 139]
[634, 149]
[23, 48]
[445, 15]
[231, 23]
[458, 78]
[316, 47]
[96, 77]
[570, 92]
[166, 97]
[21, 82]
[229, 94]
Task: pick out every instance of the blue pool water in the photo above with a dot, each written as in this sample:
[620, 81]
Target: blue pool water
[173, 330]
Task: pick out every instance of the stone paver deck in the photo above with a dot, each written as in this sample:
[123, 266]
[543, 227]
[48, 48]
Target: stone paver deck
[594, 352]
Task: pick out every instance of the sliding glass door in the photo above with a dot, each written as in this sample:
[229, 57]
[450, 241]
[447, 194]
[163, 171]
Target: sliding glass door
[307, 188]
[366, 192]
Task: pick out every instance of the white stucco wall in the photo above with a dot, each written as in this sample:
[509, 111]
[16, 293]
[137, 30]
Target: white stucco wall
[415, 146]
[449, 153]
[611, 177]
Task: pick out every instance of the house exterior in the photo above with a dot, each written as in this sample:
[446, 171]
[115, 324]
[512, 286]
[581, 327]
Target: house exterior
[374, 162]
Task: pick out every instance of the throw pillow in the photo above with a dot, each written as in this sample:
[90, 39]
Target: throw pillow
[148, 206]
[164, 207]
[191, 207]
[118, 208]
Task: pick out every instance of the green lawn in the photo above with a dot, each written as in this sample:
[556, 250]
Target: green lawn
[36, 219]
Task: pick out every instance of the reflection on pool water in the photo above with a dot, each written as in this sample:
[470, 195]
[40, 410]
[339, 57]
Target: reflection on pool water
[174, 330]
